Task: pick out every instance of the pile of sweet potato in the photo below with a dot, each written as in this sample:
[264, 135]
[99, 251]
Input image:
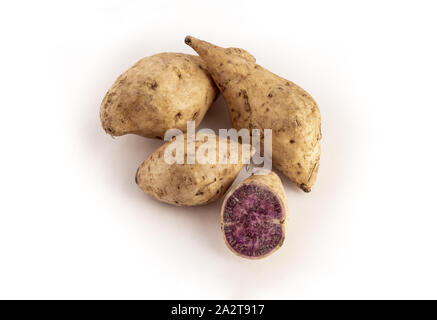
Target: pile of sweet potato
[167, 90]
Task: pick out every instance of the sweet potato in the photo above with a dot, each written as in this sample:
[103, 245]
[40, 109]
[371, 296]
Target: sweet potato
[158, 93]
[253, 216]
[185, 184]
[259, 99]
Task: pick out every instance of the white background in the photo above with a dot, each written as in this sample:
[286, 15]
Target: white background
[73, 224]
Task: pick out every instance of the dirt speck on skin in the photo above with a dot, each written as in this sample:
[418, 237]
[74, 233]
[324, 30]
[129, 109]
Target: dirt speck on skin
[247, 106]
[153, 85]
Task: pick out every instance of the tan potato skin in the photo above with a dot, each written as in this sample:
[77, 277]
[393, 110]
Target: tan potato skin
[272, 182]
[186, 184]
[258, 98]
[158, 93]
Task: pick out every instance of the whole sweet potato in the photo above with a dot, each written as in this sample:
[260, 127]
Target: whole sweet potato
[185, 184]
[158, 93]
[260, 99]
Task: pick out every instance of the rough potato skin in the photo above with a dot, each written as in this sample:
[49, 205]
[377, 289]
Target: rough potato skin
[272, 182]
[258, 98]
[187, 184]
[158, 93]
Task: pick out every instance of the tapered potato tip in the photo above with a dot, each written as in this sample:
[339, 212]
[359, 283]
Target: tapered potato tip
[199, 46]
[305, 188]
[210, 53]
[188, 40]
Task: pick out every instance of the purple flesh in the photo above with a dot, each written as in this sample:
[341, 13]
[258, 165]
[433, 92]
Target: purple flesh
[252, 221]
